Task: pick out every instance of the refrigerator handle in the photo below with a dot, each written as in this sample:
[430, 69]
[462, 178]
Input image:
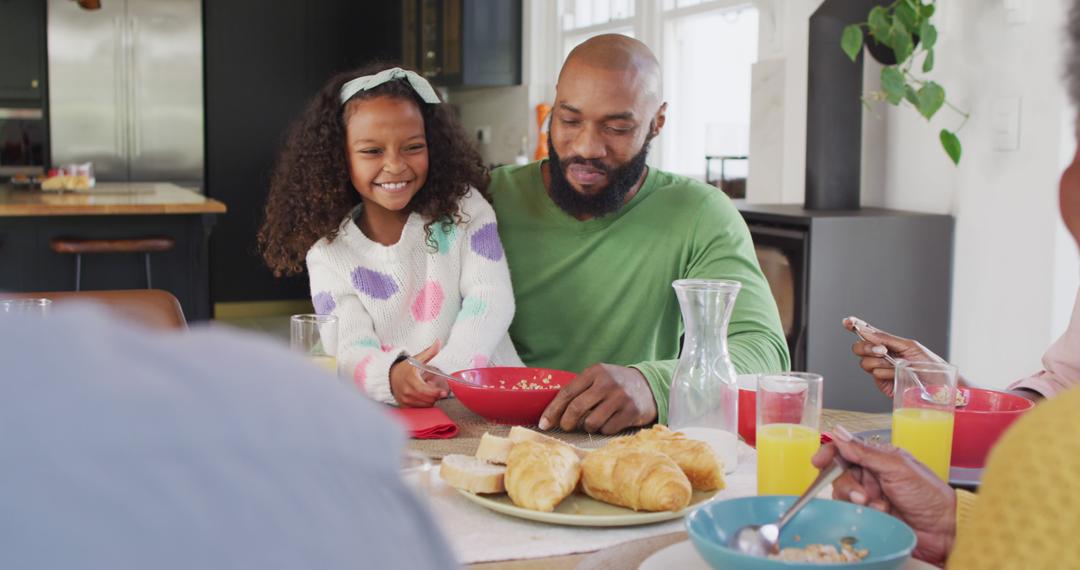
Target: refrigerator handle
[119, 69]
[133, 86]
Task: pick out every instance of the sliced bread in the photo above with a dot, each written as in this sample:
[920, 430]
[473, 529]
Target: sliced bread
[494, 448]
[472, 474]
[518, 434]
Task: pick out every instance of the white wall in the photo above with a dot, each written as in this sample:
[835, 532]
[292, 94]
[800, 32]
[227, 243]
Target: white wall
[1015, 272]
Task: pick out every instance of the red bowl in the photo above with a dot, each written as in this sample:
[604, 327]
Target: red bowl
[491, 392]
[981, 422]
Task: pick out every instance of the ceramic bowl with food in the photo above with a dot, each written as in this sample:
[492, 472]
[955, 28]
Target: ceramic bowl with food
[888, 542]
[509, 395]
[980, 423]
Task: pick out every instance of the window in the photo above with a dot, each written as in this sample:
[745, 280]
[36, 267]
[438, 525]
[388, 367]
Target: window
[706, 49]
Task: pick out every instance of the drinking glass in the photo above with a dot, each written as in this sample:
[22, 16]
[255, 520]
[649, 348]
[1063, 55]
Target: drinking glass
[416, 471]
[40, 307]
[788, 431]
[316, 336]
[748, 407]
[922, 421]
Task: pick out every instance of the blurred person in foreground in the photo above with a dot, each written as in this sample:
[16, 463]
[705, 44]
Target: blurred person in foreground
[1028, 506]
[125, 448]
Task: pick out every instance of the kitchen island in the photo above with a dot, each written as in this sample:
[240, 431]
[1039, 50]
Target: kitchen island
[31, 219]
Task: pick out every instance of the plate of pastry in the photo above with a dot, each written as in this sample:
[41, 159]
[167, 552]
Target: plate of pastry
[654, 475]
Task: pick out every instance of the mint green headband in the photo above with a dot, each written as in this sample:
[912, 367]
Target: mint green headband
[419, 84]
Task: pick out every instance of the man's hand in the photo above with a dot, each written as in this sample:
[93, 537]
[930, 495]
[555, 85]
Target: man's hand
[413, 389]
[878, 343]
[604, 398]
[892, 481]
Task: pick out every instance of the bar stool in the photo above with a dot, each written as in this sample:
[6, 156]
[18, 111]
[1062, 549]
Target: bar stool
[78, 247]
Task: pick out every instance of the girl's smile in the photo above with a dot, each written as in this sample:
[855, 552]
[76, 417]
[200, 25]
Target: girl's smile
[386, 146]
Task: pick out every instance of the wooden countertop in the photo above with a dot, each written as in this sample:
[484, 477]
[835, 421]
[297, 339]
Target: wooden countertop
[108, 198]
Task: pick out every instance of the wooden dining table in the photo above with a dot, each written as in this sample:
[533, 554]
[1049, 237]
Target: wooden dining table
[472, 427]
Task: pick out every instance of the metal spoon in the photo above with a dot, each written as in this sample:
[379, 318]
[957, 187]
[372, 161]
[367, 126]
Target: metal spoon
[762, 540]
[421, 366]
[924, 394]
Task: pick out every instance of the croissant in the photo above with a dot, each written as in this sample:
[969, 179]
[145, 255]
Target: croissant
[639, 479]
[539, 475]
[696, 459]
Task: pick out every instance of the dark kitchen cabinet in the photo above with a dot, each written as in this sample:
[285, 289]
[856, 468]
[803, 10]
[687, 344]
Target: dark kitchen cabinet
[264, 61]
[470, 43]
[22, 50]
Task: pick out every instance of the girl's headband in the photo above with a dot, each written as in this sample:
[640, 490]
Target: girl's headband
[418, 84]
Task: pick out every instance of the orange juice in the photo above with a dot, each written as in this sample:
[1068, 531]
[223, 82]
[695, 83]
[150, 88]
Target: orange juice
[328, 363]
[927, 435]
[784, 452]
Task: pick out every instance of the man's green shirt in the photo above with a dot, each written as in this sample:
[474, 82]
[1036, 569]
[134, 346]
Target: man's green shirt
[600, 290]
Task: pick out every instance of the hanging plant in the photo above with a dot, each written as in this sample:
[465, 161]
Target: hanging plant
[904, 30]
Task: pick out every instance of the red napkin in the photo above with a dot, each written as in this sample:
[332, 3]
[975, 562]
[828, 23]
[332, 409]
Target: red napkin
[426, 423]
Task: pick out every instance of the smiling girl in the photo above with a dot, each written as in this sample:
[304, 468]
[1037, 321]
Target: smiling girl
[380, 190]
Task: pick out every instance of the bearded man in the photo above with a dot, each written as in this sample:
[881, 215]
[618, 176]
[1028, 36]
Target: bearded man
[594, 239]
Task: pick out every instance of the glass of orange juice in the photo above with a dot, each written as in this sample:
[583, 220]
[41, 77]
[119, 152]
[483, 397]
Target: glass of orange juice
[788, 431]
[316, 336]
[923, 404]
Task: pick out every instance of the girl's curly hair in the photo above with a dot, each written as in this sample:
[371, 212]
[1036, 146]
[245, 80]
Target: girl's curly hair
[311, 192]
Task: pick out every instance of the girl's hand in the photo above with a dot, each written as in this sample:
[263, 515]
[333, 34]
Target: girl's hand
[892, 481]
[413, 389]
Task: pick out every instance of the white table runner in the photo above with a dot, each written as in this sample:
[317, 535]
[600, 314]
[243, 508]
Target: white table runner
[477, 534]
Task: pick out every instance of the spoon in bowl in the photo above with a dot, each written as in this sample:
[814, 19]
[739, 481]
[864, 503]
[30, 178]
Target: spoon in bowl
[429, 369]
[763, 540]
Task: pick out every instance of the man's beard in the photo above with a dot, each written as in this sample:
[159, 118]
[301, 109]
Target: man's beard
[612, 197]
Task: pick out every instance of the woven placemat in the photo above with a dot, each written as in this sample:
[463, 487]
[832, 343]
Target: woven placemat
[854, 422]
[629, 554]
[472, 426]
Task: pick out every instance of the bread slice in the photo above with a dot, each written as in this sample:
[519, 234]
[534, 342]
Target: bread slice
[518, 434]
[494, 448]
[472, 474]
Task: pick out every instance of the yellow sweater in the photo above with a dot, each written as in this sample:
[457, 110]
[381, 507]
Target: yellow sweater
[1027, 516]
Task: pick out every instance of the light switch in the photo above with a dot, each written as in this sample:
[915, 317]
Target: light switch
[1005, 123]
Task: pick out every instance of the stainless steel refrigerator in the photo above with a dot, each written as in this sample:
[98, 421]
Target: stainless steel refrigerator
[126, 88]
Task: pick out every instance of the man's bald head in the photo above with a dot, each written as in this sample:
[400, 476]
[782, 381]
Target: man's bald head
[619, 53]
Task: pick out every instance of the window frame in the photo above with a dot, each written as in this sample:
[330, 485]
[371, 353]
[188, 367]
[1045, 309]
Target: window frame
[649, 23]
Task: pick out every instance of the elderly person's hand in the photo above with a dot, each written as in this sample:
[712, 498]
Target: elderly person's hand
[878, 343]
[604, 398]
[891, 480]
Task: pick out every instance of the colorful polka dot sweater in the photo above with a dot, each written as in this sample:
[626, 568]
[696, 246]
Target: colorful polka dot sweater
[398, 299]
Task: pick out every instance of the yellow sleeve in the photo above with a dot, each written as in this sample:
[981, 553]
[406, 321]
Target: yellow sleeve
[1028, 507]
[965, 504]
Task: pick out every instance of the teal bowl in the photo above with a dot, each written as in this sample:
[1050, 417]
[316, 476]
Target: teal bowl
[888, 539]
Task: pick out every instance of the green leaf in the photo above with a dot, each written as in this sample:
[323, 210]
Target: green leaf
[852, 41]
[878, 22]
[951, 144]
[911, 95]
[931, 98]
[905, 12]
[928, 63]
[927, 11]
[924, 28]
[929, 37]
[902, 46]
[892, 82]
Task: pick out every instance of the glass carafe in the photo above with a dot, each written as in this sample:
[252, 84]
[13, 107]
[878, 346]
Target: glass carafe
[704, 398]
